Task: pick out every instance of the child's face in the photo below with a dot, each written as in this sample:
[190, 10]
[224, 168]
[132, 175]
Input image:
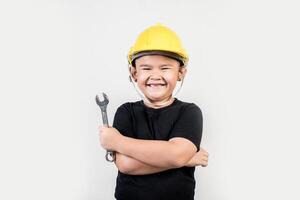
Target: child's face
[156, 76]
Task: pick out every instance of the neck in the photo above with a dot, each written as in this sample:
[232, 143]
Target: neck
[159, 104]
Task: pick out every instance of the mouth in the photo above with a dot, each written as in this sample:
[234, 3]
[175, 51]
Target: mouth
[156, 85]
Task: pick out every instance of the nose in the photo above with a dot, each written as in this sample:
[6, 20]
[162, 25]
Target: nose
[156, 74]
[155, 77]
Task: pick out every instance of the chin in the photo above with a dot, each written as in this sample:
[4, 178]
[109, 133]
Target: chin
[153, 98]
[156, 97]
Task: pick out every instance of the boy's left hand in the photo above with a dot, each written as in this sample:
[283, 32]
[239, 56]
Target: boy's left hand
[109, 137]
[200, 158]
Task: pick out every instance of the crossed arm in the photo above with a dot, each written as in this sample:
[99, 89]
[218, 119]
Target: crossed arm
[128, 165]
[137, 157]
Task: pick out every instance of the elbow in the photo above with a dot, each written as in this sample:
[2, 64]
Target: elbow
[180, 159]
[123, 167]
[123, 164]
[183, 151]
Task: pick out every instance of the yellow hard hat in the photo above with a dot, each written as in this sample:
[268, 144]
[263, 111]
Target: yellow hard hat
[158, 40]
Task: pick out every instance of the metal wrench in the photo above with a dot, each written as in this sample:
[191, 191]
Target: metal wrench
[110, 155]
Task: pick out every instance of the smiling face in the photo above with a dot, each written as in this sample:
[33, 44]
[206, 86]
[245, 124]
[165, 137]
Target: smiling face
[156, 77]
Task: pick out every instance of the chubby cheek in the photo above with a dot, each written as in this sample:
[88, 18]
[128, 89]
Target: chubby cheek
[171, 79]
[142, 79]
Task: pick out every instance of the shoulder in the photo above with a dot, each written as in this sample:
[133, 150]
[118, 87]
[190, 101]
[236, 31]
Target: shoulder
[188, 106]
[189, 111]
[129, 106]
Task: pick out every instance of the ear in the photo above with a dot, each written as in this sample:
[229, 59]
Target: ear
[182, 72]
[133, 73]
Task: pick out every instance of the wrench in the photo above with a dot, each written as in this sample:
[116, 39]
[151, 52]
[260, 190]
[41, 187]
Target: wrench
[110, 155]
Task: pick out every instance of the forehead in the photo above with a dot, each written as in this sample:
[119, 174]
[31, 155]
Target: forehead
[156, 60]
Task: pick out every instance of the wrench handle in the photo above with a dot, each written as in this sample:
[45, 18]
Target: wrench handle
[104, 118]
[110, 155]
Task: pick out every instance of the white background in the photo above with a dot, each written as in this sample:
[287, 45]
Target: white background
[55, 56]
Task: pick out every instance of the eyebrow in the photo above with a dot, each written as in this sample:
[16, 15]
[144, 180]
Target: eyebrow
[163, 65]
[145, 65]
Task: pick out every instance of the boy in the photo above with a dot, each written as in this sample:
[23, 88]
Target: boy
[156, 140]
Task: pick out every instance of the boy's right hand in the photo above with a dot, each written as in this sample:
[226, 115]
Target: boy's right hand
[200, 158]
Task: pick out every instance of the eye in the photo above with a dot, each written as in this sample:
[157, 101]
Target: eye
[165, 67]
[146, 68]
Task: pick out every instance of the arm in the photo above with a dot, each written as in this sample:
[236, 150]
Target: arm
[174, 153]
[163, 154]
[131, 166]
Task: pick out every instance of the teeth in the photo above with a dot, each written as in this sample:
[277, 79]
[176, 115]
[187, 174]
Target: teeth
[155, 85]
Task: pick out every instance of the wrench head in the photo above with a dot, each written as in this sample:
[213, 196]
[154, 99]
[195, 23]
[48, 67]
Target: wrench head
[102, 99]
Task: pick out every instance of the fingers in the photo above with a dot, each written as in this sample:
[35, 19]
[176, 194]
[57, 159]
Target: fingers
[102, 127]
[204, 163]
[100, 133]
[204, 152]
[203, 157]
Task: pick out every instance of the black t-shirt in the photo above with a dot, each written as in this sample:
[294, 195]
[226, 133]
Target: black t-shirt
[180, 119]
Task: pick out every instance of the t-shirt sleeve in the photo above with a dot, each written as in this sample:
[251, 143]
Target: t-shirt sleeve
[122, 121]
[189, 125]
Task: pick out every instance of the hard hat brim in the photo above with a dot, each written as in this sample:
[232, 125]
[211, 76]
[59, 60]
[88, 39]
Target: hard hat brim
[168, 54]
